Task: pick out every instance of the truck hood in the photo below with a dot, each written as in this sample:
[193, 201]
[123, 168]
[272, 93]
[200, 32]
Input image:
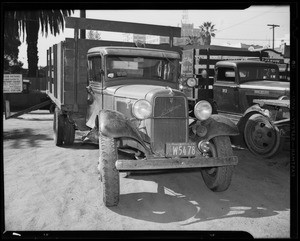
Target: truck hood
[141, 91]
[267, 85]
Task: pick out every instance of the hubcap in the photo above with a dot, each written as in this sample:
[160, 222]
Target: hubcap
[262, 136]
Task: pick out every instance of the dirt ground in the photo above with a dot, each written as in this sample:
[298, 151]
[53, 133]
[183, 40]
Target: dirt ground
[57, 188]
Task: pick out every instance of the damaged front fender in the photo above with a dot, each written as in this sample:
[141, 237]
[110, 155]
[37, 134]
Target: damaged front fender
[216, 125]
[114, 124]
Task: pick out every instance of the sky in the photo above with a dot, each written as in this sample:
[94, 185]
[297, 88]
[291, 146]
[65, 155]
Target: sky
[249, 26]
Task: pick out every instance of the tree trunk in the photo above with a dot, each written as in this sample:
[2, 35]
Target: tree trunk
[32, 31]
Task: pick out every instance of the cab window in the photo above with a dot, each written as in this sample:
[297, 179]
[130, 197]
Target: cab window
[94, 69]
[226, 74]
[254, 73]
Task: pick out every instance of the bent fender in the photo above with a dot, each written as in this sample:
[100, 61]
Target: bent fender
[218, 125]
[116, 125]
[250, 111]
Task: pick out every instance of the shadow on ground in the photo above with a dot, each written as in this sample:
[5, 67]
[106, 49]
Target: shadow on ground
[192, 199]
[25, 137]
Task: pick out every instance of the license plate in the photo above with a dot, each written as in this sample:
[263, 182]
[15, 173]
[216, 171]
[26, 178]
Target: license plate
[180, 149]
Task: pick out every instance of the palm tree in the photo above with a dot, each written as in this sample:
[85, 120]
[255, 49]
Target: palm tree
[191, 40]
[207, 30]
[30, 22]
[11, 43]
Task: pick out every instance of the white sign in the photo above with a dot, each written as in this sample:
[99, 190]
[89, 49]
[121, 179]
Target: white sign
[12, 83]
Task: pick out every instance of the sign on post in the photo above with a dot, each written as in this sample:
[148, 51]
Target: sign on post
[12, 83]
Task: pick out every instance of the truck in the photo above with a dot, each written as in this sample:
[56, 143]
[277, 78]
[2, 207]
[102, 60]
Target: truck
[232, 81]
[128, 100]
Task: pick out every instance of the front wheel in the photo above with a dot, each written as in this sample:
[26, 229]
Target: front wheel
[261, 136]
[108, 156]
[218, 179]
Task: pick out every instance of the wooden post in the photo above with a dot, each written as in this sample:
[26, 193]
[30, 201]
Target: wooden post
[7, 109]
[76, 66]
[55, 69]
[82, 31]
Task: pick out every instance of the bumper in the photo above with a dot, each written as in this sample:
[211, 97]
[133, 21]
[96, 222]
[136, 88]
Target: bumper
[180, 163]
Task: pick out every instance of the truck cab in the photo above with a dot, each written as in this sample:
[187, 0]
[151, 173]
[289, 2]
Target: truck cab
[238, 83]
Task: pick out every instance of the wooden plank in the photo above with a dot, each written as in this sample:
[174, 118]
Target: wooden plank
[59, 79]
[168, 163]
[229, 52]
[55, 100]
[55, 69]
[7, 109]
[123, 27]
[86, 44]
[69, 98]
[35, 107]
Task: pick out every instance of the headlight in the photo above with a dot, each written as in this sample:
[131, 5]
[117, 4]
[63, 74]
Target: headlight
[191, 82]
[202, 110]
[141, 109]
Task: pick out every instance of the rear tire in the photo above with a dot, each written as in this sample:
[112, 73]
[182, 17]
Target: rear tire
[218, 179]
[69, 132]
[58, 127]
[108, 172]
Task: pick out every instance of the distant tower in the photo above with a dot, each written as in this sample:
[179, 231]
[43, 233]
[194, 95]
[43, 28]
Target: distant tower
[185, 17]
[186, 27]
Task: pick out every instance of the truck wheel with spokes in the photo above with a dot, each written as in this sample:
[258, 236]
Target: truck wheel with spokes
[218, 179]
[108, 172]
[58, 127]
[261, 136]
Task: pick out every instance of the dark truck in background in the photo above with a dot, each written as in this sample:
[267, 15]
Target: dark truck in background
[128, 99]
[233, 87]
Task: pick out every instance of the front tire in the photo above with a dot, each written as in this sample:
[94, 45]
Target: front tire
[262, 137]
[108, 172]
[218, 179]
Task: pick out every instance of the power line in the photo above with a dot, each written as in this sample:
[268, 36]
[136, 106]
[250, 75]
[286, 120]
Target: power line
[246, 20]
[243, 39]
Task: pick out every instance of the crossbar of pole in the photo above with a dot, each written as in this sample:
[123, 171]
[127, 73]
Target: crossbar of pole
[273, 27]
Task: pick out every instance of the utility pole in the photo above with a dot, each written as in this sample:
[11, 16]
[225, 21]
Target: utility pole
[273, 26]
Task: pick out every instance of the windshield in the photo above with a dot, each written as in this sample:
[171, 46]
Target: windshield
[141, 67]
[257, 73]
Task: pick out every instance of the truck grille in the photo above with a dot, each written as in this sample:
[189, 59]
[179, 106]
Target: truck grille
[169, 122]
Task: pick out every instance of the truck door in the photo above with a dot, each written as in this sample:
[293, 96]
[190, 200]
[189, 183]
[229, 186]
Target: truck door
[94, 89]
[226, 90]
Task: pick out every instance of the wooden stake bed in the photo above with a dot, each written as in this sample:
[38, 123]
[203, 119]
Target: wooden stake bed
[67, 60]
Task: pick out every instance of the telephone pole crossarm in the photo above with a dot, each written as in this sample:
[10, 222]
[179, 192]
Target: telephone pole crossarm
[273, 26]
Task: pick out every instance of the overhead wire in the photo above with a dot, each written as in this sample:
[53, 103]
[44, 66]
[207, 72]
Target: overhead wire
[246, 20]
